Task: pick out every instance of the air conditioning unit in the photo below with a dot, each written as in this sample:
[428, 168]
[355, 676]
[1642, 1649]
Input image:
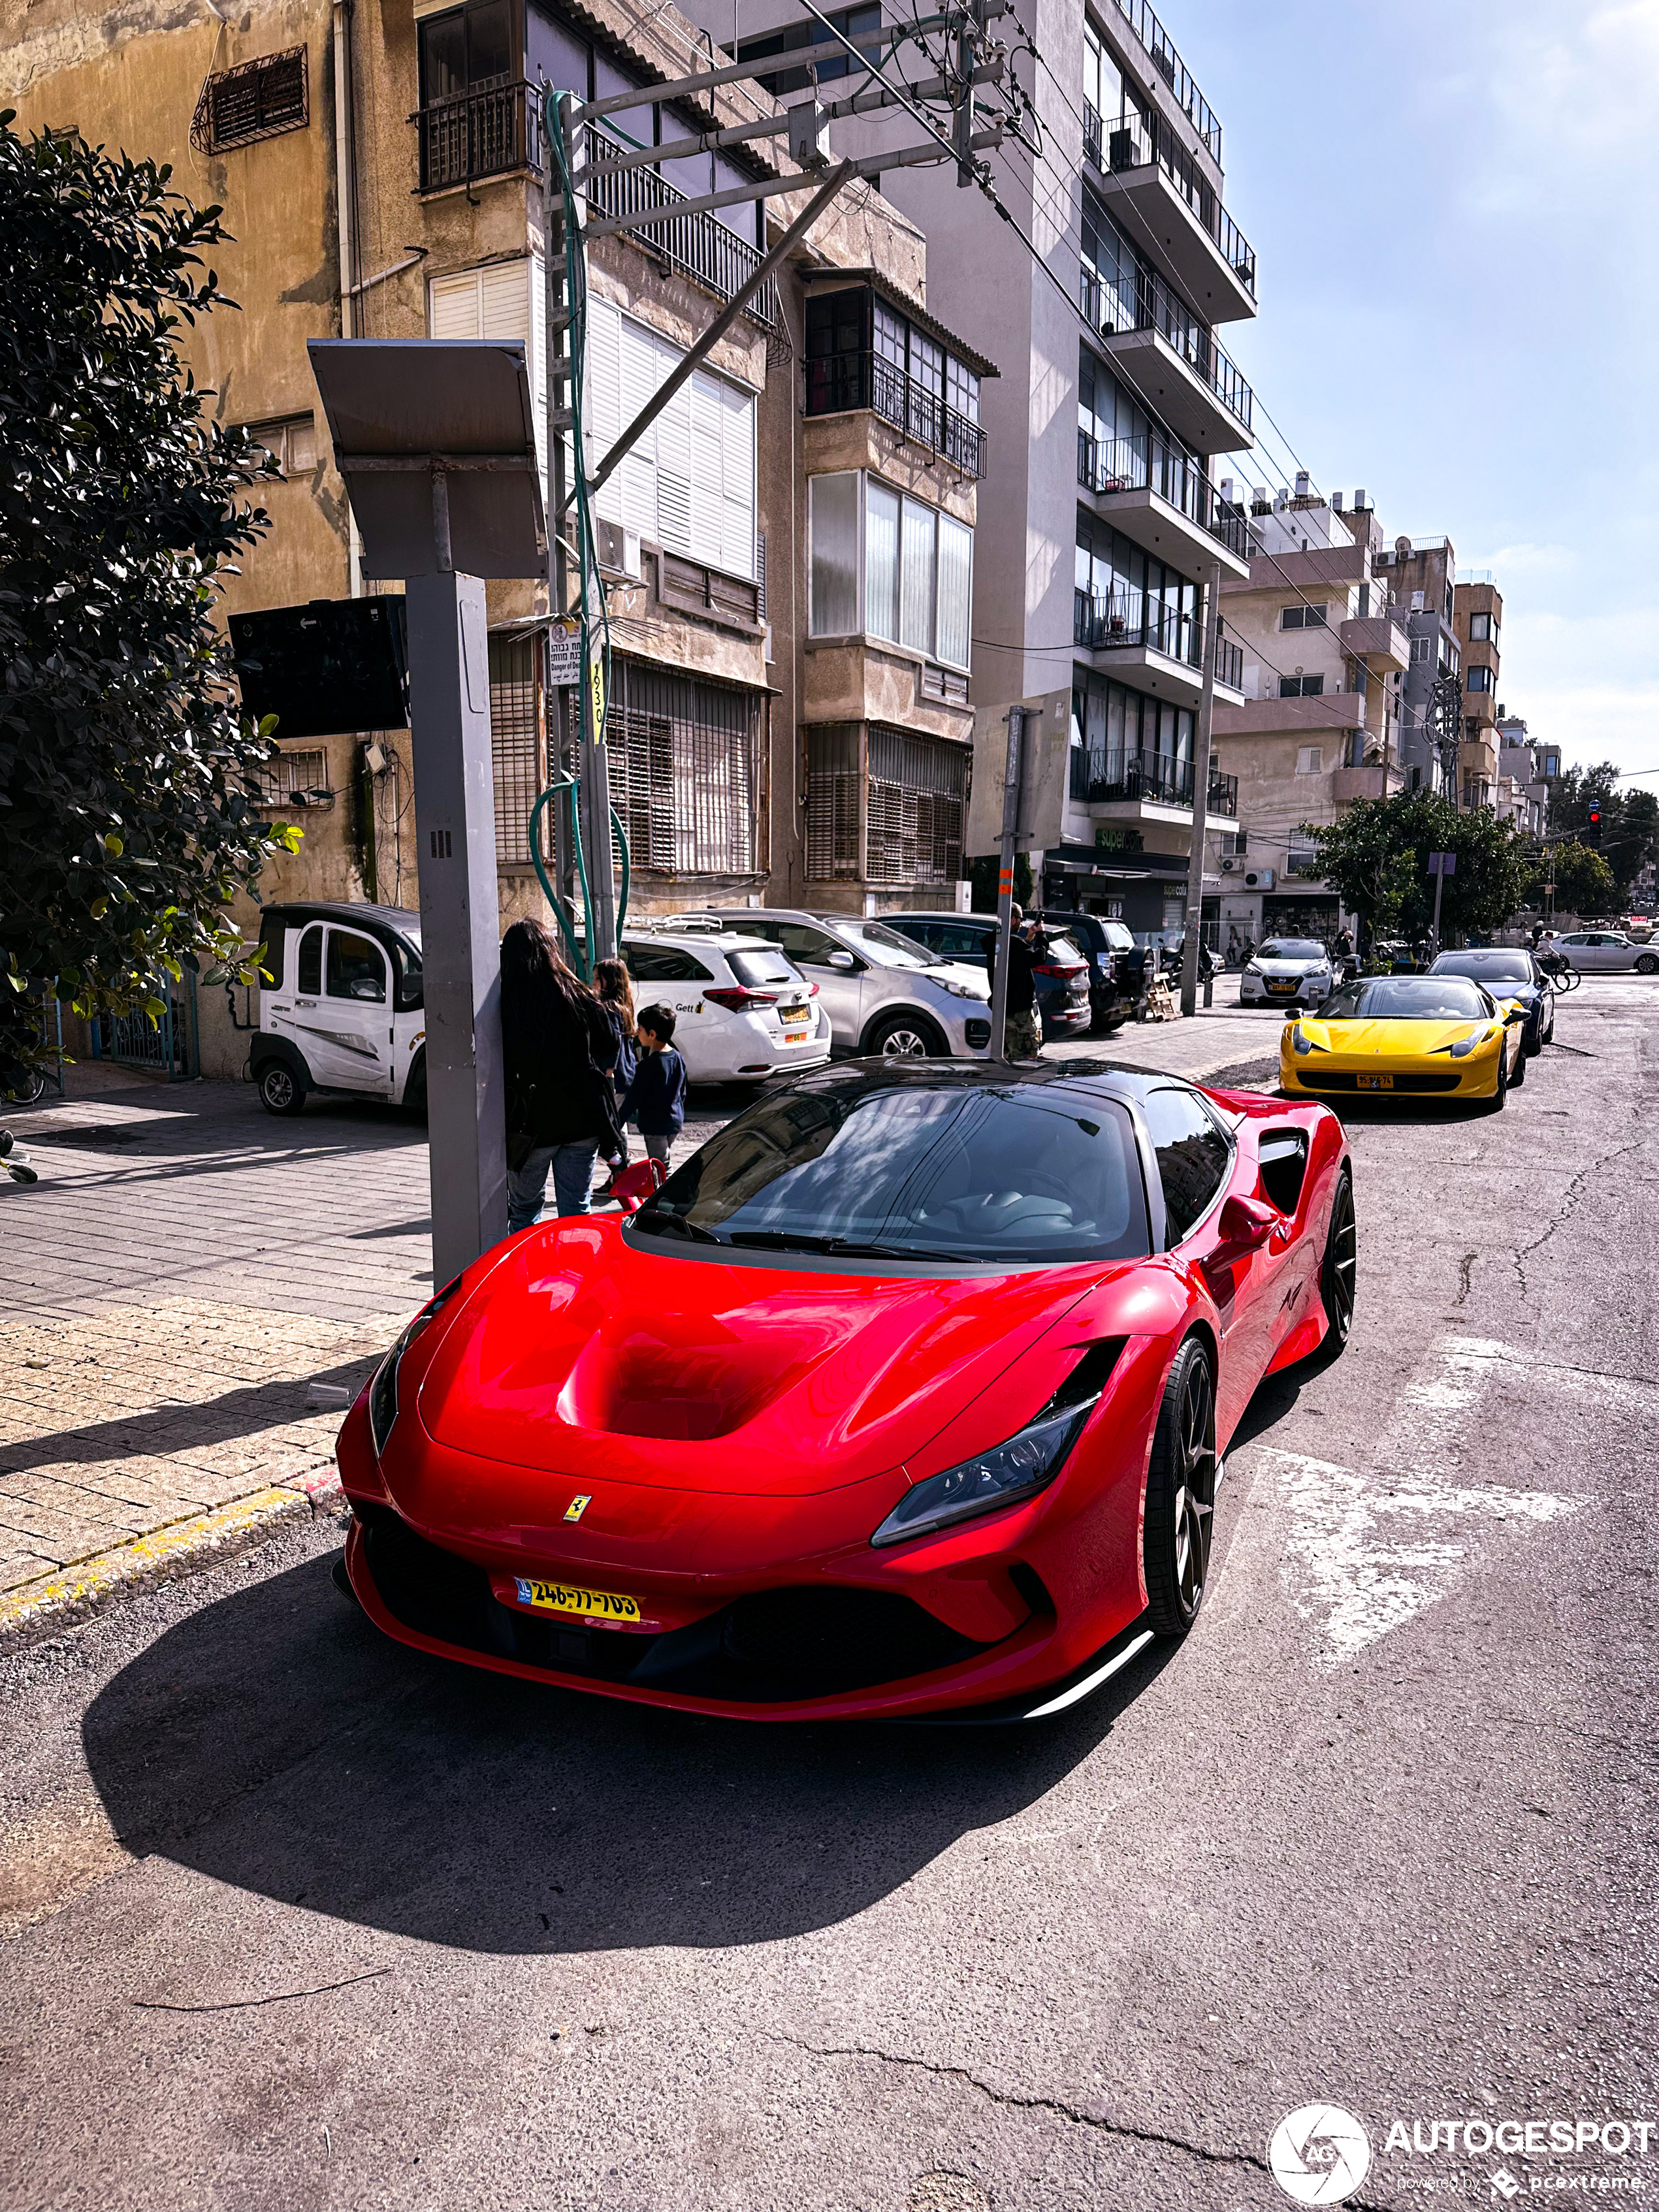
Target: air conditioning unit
[1233, 864]
[1259, 880]
[619, 551]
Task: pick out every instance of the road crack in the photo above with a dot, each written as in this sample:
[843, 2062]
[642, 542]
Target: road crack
[250, 2004]
[1025, 2101]
[1569, 1206]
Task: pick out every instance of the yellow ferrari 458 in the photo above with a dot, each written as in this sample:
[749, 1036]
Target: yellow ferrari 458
[1412, 1035]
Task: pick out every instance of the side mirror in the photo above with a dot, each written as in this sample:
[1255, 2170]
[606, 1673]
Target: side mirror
[1248, 1222]
[1515, 1014]
[844, 960]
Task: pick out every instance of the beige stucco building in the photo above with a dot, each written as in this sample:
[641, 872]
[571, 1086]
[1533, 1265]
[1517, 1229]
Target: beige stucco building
[788, 554]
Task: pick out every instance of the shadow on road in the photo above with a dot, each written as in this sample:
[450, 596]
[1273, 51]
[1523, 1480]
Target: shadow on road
[275, 1741]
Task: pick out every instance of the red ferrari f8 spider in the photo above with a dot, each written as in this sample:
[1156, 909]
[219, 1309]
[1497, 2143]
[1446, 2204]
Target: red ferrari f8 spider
[906, 1395]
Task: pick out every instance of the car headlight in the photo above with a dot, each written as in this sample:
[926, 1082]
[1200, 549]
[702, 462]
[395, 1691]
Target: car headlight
[960, 990]
[383, 1391]
[1252, 968]
[1465, 1045]
[1302, 1043]
[1028, 1462]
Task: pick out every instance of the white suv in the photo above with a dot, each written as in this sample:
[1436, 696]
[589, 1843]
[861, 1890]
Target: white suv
[742, 1011]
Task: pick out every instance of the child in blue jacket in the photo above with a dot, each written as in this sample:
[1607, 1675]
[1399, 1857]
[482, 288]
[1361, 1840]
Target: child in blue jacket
[655, 1100]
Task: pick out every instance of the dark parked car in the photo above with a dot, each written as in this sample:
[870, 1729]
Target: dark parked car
[1510, 971]
[1102, 944]
[1062, 974]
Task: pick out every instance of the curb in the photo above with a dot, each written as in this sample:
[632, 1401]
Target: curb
[53, 1602]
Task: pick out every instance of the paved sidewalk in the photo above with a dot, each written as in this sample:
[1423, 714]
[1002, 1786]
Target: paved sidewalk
[193, 1291]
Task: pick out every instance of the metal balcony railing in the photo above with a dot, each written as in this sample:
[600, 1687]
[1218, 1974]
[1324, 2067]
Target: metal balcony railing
[699, 246]
[1137, 618]
[1174, 71]
[1144, 303]
[1133, 140]
[1102, 777]
[1151, 463]
[838, 383]
[485, 132]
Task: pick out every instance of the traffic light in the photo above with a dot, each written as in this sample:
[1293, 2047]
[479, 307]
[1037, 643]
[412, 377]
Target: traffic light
[1592, 828]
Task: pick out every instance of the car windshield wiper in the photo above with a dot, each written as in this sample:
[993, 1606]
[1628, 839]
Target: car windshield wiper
[791, 1240]
[657, 1223]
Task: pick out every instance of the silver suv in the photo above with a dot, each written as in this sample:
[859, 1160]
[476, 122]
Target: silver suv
[882, 993]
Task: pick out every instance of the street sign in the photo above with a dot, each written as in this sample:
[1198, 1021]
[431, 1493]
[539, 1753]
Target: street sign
[564, 653]
[1443, 864]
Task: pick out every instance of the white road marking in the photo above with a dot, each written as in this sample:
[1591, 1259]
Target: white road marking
[1361, 1550]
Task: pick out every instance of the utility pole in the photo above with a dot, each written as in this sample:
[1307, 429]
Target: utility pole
[1210, 632]
[1011, 790]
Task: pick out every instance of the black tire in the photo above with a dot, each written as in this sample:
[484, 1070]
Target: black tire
[905, 1036]
[1648, 963]
[1179, 1517]
[1338, 1272]
[414, 1090]
[281, 1091]
[21, 1173]
[1499, 1098]
[28, 1088]
[1520, 1075]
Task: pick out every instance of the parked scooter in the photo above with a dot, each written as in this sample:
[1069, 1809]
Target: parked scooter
[14, 1159]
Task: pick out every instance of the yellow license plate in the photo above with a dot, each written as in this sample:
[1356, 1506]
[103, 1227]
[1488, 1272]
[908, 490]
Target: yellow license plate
[1373, 1082]
[570, 1597]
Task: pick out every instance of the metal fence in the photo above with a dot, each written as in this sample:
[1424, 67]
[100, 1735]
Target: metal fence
[484, 132]
[1133, 140]
[917, 798]
[167, 1045]
[699, 246]
[1137, 618]
[1101, 777]
[1151, 463]
[514, 747]
[1148, 304]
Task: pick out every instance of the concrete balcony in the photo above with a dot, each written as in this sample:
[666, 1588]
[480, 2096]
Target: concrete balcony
[1135, 787]
[1348, 784]
[1378, 641]
[1156, 189]
[1173, 360]
[1161, 500]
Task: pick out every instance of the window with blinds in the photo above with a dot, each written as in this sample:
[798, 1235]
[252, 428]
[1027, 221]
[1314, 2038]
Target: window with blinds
[688, 484]
[685, 770]
[834, 802]
[256, 100]
[918, 797]
[498, 299]
[515, 752]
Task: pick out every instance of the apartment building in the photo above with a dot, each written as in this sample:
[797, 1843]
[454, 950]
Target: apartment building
[1419, 575]
[789, 552]
[1527, 768]
[1099, 514]
[1477, 618]
[1323, 661]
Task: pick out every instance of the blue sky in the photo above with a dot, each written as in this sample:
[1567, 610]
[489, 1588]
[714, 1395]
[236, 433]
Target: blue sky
[1456, 209]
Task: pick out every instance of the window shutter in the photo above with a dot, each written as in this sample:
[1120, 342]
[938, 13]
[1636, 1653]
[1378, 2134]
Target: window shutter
[453, 305]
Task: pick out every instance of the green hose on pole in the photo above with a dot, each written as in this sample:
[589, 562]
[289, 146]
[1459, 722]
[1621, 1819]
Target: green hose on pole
[575, 947]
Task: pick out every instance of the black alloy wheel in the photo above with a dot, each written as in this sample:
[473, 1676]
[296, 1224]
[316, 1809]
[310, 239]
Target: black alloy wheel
[279, 1090]
[1180, 1519]
[1648, 963]
[1339, 1270]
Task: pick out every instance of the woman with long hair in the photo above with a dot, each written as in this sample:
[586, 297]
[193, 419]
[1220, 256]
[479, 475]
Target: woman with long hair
[560, 1049]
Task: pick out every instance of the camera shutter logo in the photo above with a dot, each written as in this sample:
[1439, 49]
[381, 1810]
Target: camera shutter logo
[1319, 2155]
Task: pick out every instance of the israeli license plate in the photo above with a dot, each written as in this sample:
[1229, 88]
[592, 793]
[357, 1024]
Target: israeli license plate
[600, 1606]
[1373, 1082]
[1285, 990]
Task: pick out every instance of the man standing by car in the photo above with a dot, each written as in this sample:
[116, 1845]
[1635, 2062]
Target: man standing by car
[1023, 1034]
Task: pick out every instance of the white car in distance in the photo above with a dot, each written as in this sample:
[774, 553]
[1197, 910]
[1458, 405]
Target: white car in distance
[742, 1010]
[1286, 972]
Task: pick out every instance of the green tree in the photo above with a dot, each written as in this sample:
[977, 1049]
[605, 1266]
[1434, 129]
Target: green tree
[1583, 881]
[1376, 855]
[1629, 833]
[126, 820]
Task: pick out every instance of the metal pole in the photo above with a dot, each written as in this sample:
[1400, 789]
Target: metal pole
[557, 310]
[1439, 886]
[1016, 720]
[1210, 631]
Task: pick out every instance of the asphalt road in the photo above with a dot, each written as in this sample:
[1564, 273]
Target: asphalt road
[297, 1919]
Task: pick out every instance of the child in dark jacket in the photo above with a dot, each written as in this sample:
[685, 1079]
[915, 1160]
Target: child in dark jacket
[615, 993]
[656, 1098]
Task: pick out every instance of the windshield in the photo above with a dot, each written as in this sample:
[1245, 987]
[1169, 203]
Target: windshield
[1021, 1172]
[1486, 967]
[886, 947]
[760, 968]
[1408, 999]
[1290, 948]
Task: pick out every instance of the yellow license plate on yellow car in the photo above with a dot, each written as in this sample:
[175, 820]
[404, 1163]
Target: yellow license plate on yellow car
[572, 1598]
[1373, 1082]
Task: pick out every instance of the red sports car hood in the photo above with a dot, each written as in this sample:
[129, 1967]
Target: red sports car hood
[584, 1355]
